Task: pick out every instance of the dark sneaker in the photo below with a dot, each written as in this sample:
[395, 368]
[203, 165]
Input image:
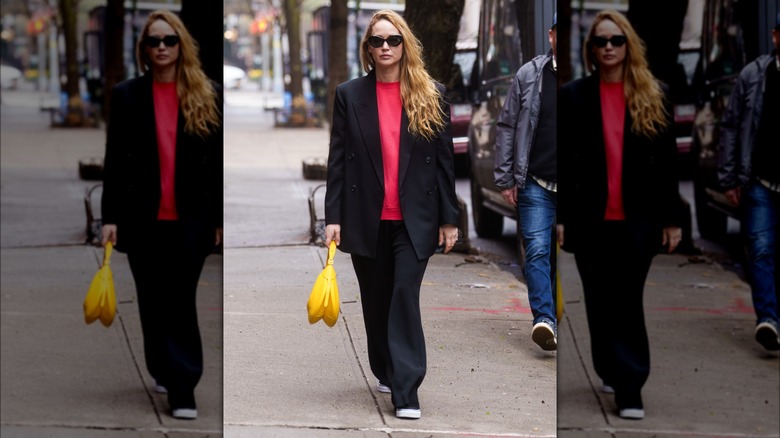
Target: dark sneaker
[766, 335]
[543, 334]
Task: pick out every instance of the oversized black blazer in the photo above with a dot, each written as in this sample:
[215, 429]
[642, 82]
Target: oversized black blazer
[131, 182]
[355, 186]
[650, 193]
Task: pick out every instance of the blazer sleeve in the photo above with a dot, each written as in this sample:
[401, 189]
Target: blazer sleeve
[335, 180]
[566, 178]
[113, 171]
[218, 169]
[445, 172]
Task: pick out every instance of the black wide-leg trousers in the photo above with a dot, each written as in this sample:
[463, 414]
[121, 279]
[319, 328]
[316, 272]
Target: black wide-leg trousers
[613, 267]
[166, 264]
[390, 296]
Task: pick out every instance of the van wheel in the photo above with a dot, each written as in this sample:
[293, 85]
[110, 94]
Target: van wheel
[487, 223]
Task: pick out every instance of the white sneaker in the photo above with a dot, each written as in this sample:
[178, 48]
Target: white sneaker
[159, 388]
[411, 414]
[632, 413]
[382, 388]
[766, 335]
[544, 336]
[185, 414]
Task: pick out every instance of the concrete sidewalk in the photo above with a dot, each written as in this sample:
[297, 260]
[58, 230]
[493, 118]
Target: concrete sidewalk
[61, 377]
[286, 378]
[708, 376]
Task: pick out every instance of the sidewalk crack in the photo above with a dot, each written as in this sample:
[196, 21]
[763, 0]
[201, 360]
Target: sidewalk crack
[363, 371]
[140, 373]
[585, 368]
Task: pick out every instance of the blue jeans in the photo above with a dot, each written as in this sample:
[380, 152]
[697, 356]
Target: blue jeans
[760, 226]
[537, 222]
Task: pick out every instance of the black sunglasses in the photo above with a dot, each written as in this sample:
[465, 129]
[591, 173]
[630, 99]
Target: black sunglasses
[616, 41]
[169, 40]
[392, 41]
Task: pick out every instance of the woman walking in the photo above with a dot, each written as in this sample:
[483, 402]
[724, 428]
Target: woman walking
[162, 197]
[390, 197]
[617, 197]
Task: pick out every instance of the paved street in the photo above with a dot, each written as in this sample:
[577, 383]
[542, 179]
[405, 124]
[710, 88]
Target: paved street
[271, 374]
[286, 378]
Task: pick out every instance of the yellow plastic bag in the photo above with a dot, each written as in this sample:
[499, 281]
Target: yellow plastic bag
[324, 299]
[100, 302]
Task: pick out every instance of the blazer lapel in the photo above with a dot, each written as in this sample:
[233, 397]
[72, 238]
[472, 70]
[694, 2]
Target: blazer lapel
[407, 144]
[367, 116]
[597, 122]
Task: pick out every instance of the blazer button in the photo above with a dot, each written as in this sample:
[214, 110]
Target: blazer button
[430, 192]
[350, 156]
[427, 160]
[354, 187]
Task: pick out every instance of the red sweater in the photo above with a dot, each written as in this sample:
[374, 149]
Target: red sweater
[389, 106]
[166, 114]
[613, 112]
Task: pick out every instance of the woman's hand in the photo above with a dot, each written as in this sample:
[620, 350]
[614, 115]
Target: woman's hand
[218, 239]
[332, 232]
[672, 236]
[559, 234]
[108, 233]
[448, 235]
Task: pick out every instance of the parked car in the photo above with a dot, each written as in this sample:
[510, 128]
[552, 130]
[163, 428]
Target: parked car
[497, 63]
[735, 40]
[233, 77]
[9, 77]
[461, 108]
[684, 100]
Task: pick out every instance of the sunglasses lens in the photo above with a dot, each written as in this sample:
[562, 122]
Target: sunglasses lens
[618, 40]
[152, 41]
[392, 41]
[376, 41]
[600, 41]
[169, 40]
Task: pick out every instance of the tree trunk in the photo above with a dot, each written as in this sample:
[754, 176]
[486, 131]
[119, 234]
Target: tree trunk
[201, 20]
[337, 51]
[436, 24]
[113, 51]
[292, 18]
[75, 109]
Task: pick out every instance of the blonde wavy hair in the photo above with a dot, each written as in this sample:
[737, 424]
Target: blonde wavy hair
[420, 97]
[644, 96]
[197, 97]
